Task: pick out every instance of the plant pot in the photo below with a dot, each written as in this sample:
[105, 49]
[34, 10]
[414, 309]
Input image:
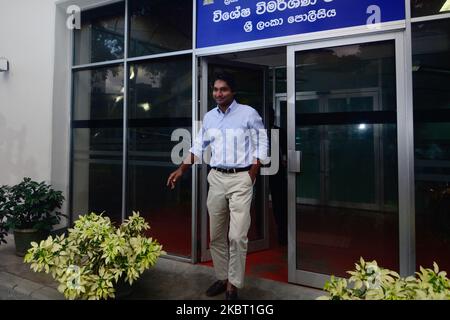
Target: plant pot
[24, 237]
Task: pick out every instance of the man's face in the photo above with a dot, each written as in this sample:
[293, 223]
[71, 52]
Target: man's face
[222, 93]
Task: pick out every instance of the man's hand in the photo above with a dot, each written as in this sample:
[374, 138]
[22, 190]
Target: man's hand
[252, 176]
[174, 177]
[253, 172]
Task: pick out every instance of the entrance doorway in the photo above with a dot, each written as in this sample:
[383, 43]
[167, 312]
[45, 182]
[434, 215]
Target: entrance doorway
[341, 105]
[254, 75]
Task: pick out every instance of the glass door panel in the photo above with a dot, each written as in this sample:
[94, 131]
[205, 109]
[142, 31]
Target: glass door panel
[346, 187]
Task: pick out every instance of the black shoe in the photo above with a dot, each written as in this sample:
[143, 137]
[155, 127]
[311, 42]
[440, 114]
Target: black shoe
[217, 288]
[231, 295]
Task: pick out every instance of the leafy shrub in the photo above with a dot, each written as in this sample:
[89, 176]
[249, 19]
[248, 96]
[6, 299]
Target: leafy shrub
[371, 282]
[31, 205]
[95, 256]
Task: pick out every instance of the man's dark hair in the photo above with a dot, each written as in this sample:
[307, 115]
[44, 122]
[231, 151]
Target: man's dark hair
[228, 78]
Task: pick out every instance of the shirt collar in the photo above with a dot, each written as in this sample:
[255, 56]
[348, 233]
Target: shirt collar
[232, 106]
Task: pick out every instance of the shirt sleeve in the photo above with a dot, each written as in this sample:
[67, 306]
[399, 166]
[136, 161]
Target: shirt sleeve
[259, 138]
[200, 143]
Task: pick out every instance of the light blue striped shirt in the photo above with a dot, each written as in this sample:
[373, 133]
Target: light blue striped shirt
[237, 137]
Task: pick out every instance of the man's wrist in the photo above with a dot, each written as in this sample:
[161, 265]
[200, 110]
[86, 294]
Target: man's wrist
[187, 162]
[255, 167]
[183, 168]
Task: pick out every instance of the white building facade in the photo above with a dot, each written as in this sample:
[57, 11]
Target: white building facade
[362, 107]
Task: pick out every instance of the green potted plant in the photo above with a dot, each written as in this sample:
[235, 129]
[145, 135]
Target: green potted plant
[31, 210]
[371, 282]
[96, 257]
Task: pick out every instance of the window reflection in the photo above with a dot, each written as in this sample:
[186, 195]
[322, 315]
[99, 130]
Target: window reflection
[97, 172]
[431, 76]
[349, 68]
[101, 36]
[98, 94]
[161, 89]
[160, 102]
[160, 26]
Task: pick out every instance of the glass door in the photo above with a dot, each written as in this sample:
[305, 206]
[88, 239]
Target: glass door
[344, 100]
[251, 82]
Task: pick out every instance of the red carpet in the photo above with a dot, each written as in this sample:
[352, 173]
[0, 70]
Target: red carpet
[268, 264]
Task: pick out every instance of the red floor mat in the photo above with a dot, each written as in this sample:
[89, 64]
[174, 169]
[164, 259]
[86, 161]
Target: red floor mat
[268, 264]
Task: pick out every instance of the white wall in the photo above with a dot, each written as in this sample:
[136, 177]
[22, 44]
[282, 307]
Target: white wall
[27, 33]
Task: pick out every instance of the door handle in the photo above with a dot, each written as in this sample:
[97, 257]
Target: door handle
[294, 161]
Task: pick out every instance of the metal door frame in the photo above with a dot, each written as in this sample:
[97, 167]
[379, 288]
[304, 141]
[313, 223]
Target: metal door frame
[405, 156]
[255, 245]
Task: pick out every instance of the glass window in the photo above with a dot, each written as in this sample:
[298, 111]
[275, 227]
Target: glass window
[429, 7]
[160, 26]
[161, 89]
[350, 69]
[97, 172]
[98, 94]
[160, 102]
[431, 78]
[101, 36]
[281, 83]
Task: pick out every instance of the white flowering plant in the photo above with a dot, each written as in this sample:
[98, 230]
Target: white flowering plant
[372, 282]
[95, 255]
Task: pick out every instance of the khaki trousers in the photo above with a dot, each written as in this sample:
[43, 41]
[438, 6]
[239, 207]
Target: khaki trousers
[229, 201]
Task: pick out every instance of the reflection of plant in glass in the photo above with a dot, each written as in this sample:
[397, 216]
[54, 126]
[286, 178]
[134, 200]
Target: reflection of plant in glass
[108, 40]
[371, 282]
[95, 256]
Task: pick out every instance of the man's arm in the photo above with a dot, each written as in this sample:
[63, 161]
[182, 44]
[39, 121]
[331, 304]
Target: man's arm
[195, 154]
[176, 175]
[260, 142]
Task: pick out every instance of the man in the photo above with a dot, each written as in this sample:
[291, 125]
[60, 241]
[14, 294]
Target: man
[231, 179]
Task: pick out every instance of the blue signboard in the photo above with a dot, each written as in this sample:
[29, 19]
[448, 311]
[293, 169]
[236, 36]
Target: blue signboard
[221, 22]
